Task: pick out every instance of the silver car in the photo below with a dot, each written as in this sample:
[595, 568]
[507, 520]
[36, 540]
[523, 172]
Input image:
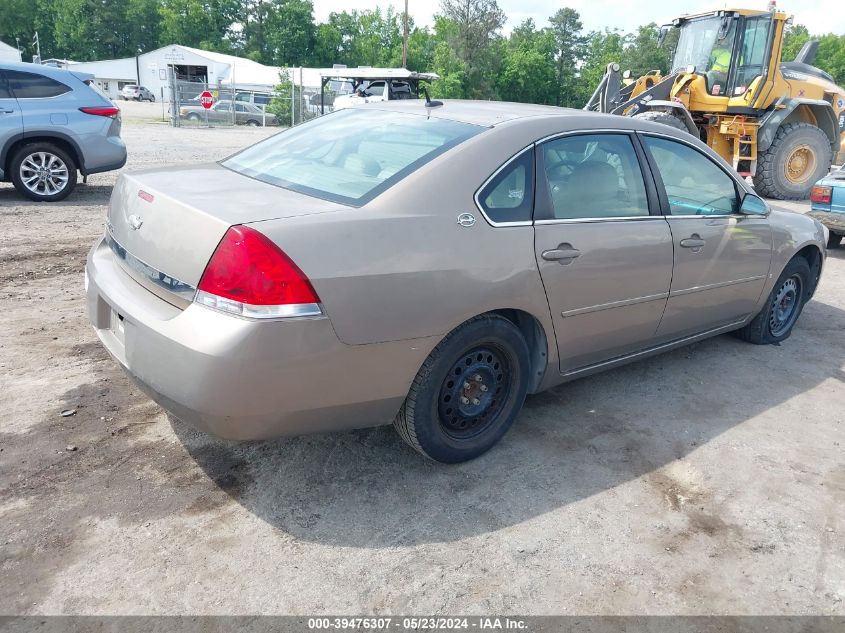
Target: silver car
[430, 266]
[54, 123]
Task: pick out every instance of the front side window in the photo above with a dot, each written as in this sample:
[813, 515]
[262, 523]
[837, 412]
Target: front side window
[352, 155]
[375, 90]
[509, 196]
[594, 176]
[694, 184]
[32, 86]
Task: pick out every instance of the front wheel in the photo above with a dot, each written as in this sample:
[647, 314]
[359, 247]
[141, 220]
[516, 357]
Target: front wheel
[252, 123]
[798, 157]
[468, 392]
[43, 172]
[775, 321]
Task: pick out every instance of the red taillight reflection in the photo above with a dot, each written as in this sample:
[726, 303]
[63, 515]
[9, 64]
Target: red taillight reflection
[247, 267]
[109, 111]
[821, 195]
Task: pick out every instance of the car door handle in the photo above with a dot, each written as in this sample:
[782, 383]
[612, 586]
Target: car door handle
[7, 111]
[564, 254]
[693, 241]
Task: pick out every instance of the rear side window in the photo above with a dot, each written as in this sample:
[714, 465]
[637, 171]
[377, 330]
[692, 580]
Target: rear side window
[694, 184]
[352, 155]
[4, 87]
[509, 196]
[594, 176]
[32, 86]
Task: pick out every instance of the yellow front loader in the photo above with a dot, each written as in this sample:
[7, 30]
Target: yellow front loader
[783, 123]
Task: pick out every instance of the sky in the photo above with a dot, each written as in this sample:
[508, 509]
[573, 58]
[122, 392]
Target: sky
[816, 15]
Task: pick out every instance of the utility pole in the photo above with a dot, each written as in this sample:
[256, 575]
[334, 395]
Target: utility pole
[405, 37]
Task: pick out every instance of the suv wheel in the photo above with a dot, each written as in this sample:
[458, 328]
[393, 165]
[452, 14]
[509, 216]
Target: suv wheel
[43, 172]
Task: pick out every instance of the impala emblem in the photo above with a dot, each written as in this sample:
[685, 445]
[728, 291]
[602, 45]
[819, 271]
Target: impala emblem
[466, 219]
[135, 222]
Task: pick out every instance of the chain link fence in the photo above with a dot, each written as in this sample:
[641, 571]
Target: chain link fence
[287, 104]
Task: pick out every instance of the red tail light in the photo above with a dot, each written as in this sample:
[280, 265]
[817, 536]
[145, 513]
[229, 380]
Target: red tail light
[251, 276]
[821, 195]
[109, 111]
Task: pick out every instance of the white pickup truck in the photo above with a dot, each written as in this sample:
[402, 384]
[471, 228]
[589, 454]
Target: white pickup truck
[378, 90]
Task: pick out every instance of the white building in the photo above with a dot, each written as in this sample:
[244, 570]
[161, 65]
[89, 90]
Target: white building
[189, 64]
[9, 53]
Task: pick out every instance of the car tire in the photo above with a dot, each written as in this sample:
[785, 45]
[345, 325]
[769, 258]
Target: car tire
[252, 123]
[193, 116]
[834, 240]
[468, 392]
[771, 179]
[774, 323]
[152, 99]
[34, 156]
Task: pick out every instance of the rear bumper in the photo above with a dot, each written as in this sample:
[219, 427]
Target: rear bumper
[834, 221]
[244, 379]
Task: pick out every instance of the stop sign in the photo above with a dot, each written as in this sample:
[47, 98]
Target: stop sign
[206, 99]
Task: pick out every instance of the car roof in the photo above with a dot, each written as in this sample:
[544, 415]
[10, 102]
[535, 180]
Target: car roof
[59, 74]
[491, 113]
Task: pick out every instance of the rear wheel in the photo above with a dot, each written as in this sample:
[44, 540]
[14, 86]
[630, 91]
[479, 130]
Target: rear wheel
[662, 117]
[834, 240]
[775, 321]
[193, 116]
[798, 157]
[468, 392]
[43, 172]
[252, 123]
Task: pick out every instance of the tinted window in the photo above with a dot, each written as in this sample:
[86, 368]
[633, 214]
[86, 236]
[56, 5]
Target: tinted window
[594, 176]
[352, 155]
[694, 184]
[240, 107]
[509, 196]
[4, 87]
[32, 86]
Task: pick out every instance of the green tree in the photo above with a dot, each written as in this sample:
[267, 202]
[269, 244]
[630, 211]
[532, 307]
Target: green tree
[291, 32]
[642, 53]
[569, 49]
[473, 37]
[203, 24]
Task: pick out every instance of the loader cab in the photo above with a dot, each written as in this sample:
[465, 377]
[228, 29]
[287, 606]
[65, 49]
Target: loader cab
[729, 49]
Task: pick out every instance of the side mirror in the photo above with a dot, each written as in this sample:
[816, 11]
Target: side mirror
[752, 205]
[661, 36]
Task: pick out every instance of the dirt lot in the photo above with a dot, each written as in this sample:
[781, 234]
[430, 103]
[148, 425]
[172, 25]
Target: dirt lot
[708, 480]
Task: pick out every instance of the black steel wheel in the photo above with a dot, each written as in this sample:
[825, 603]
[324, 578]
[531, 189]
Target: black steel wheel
[468, 392]
[783, 306]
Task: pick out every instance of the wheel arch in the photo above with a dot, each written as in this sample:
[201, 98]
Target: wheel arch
[536, 340]
[19, 141]
[817, 112]
[813, 255]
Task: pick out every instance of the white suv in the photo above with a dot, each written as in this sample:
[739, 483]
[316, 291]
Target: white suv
[136, 93]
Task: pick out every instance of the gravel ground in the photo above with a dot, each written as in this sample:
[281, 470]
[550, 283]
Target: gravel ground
[707, 480]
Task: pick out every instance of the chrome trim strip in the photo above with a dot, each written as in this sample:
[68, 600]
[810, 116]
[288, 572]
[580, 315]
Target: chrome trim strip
[581, 131]
[486, 182]
[149, 273]
[625, 218]
[652, 350]
[720, 284]
[615, 304]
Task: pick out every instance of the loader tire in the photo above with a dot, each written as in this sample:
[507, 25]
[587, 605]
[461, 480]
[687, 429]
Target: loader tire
[662, 117]
[798, 157]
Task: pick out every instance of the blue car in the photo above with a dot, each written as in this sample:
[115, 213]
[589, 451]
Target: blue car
[53, 124]
[828, 205]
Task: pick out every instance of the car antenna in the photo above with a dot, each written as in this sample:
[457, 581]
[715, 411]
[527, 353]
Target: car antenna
[428, 102]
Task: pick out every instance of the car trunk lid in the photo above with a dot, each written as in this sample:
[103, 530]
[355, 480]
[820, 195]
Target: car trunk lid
[164, 224]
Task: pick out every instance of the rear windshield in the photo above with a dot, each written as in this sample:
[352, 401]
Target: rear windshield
[350, 156]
